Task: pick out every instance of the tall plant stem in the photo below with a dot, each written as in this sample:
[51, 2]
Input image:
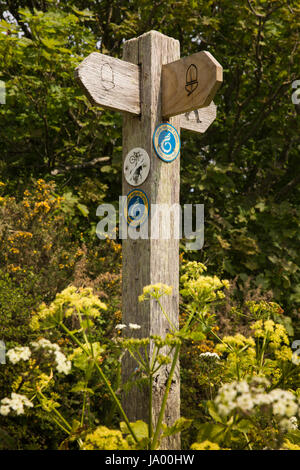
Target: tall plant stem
[105, 380]
[150, 406]
[167, 316]
[165, 397]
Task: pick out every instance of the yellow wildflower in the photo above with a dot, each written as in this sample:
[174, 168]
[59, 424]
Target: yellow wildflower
[104, 438]
[288, 445]
[155, 291]
[205, 445]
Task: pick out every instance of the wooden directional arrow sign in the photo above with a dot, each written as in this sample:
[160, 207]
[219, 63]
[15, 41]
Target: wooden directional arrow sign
[199, 120]
[111, 83]
[190, 83]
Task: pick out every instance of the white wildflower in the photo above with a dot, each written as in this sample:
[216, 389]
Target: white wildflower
[15, 403]
[224, 410]
[262, 399]
[62, 364]
[243, 396]
[289, 424]
[210, 355]
[245, 402]
[120, 326]
[242, 387]
[4, 410]
[283, 403]
[279, 408]
[44, 343]
[293, 422]
[134, 326]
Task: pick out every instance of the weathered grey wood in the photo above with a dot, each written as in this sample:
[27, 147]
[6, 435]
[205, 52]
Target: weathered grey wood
[110, 82]
[200, 119]
[190, 83]
[151, 261]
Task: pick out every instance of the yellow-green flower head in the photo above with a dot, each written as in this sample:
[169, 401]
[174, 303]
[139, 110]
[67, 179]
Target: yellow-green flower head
[275, 333]
[290, 445]
[203, 289]
[284, 353]
[205, 445]
[104, 438]
[70, 301]
[237, 341]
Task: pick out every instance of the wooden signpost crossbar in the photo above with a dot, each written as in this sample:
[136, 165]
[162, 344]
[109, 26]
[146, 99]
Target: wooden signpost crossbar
[152, 85]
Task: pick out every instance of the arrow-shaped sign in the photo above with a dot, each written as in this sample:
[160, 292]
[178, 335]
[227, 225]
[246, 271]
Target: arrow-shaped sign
[190, 83]
[115, 84]
[110, 82]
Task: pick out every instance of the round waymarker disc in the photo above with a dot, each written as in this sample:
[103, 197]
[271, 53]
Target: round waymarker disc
[136, 166]
[136, 208]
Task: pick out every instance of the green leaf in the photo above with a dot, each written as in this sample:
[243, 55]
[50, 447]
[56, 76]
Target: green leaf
[180, 425]
[6, 441]
[212, 409]
[83, 209]
[80, 387]
[294, 436]
[140, 428]
[211, 432]
[106, 169]
[244, 426]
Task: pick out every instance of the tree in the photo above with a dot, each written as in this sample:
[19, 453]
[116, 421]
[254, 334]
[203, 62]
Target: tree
[244, 168]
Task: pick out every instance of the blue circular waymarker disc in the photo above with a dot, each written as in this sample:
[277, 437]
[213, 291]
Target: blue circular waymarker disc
[166, 142]
[136, 209]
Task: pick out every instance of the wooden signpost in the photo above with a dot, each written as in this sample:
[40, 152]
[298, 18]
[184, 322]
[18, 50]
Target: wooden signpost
[152, 85]
[190, 83]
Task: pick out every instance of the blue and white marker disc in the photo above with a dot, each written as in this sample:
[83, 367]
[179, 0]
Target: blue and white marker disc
[166, 142]
[136, 209]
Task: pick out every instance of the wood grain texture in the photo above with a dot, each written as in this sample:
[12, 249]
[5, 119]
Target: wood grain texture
[190, 83]
[151, 261]
[200, 119]
[110, 82]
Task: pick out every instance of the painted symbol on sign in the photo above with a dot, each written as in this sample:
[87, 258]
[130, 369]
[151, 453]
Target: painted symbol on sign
[136, 209]
[197, 118]
[166, 142]
[136, 166]
[107, 77]
[191, 79]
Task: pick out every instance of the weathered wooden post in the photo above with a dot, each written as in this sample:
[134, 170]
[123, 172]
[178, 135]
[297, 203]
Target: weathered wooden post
[151, 261]
[152, 85]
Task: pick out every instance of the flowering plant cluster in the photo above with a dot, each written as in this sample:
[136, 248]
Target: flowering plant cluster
[252, 402]
[249, 398]
[14, 404]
